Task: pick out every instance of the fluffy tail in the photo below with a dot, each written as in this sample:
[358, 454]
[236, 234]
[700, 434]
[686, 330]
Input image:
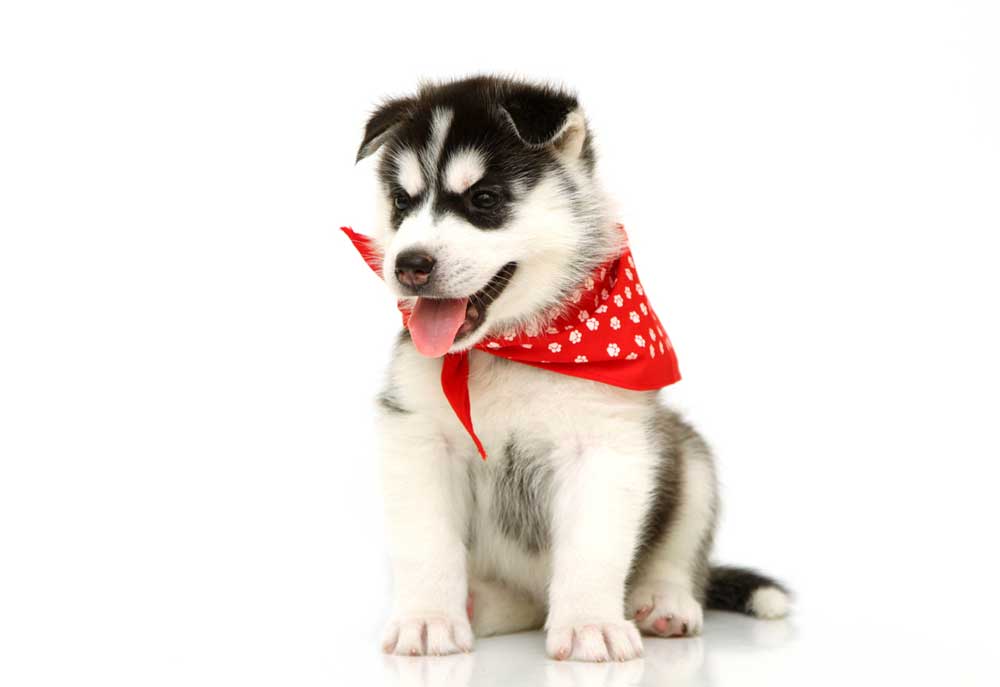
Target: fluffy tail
[746, 591]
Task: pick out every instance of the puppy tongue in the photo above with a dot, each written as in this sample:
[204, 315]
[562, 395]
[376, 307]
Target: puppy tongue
[435, 322]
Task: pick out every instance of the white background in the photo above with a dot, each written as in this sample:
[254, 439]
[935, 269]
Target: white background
[188, 493]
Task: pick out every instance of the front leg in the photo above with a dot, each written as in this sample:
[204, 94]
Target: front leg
[426, 506]
[599, 500]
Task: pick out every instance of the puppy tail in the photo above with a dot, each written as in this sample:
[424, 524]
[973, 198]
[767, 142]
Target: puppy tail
[747, 591]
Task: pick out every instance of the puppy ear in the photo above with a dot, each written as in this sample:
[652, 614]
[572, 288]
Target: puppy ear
[544, 117]
[382, 124]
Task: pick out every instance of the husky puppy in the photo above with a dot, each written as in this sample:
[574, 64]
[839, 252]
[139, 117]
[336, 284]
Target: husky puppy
[594, 515]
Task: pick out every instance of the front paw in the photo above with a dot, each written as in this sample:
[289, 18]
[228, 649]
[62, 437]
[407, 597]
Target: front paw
[427, 635]
[610, 640]
[665, 609]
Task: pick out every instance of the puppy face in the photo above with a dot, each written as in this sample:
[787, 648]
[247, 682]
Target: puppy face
[488, 214]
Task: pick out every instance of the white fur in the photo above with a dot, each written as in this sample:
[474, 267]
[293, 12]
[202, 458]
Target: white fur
[769, 602]
[440, 123]
[465, 167]
[410, 176]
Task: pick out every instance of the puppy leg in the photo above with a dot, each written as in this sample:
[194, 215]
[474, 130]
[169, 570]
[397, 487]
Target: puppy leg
[669, 585]
[426, 505]
[496, 609]
[596, 515]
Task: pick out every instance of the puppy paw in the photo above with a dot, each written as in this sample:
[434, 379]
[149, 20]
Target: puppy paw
[615, 640]
[431, 635]
[665, 610]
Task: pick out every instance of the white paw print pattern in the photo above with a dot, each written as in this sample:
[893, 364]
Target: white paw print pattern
[564, 337]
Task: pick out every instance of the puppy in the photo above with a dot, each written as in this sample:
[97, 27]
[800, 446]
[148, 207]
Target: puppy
[595, 512]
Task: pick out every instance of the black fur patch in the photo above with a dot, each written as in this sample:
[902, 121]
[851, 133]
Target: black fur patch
[679, 444]
[507, 121]
[520, 505]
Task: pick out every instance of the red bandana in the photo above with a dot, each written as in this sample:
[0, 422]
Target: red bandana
[608, 334]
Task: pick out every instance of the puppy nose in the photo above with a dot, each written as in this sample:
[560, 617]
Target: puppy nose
[413, 268]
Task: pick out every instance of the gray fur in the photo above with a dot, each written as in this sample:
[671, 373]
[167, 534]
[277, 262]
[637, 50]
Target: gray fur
[520, 503]
[389, 403]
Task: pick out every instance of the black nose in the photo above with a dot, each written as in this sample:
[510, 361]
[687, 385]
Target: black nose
[413, 268]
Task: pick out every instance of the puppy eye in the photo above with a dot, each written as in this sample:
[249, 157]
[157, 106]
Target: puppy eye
[401, 200]
[485, 200]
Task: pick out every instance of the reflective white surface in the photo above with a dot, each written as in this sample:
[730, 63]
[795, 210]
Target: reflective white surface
[734, 650]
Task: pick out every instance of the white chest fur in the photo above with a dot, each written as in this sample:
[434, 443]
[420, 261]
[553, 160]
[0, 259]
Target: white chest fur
[535, 425]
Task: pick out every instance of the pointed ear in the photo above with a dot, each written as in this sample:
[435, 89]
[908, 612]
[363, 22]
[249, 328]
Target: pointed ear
[382, 124]
[543, 117]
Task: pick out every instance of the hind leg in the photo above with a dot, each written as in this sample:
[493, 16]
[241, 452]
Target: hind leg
[496, 609]
[669, 585]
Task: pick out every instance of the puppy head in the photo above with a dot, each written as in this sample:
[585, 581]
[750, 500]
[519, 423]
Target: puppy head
[488, 213]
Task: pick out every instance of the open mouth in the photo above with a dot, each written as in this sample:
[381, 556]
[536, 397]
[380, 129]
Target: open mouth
[437, 323]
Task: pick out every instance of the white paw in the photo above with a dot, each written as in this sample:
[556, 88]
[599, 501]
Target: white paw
[431, 635]
[615, 640]
[665, 609]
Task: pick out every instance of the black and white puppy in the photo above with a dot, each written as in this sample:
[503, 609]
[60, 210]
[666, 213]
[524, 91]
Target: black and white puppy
[595, 514]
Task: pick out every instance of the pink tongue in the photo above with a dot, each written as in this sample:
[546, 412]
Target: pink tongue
[435, 322]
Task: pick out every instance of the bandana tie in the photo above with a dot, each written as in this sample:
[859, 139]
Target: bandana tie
[607, 333]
